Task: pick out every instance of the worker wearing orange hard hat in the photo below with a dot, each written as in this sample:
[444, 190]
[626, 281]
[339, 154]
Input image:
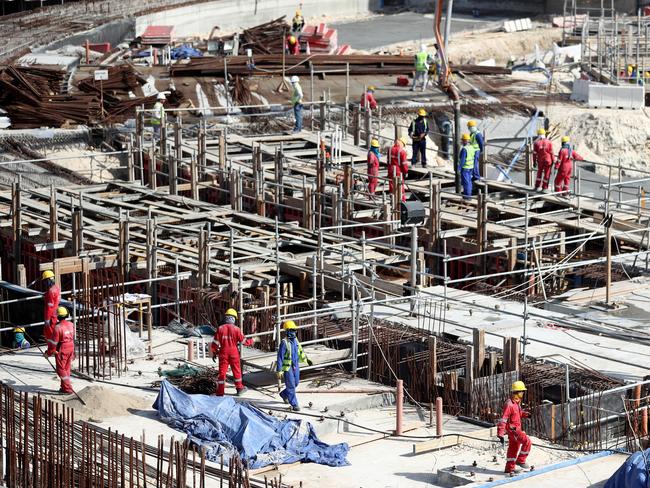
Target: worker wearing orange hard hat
[398, 165]
[225, 345]
[293, 46]
[510, 423]
[290, 355]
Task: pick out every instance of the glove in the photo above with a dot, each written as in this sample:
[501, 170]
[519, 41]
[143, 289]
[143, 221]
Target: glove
[214, 358]
[309, 362]
[503, 440]
[525, 414]
[279, 375]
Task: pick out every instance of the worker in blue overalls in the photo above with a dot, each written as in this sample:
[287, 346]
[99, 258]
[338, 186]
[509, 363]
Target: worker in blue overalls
[290, 355]
[466, 165]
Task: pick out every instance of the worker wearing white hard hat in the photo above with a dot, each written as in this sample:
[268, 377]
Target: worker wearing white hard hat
[296, 102]
[158, 114]
[421, 68]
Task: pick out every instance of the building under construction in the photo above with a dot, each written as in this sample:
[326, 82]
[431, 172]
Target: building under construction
[418, 307]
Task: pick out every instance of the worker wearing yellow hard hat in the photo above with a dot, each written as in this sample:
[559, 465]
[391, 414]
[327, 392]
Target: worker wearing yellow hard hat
[51, 299]
[20, 342]
[543, 158]
[368, 100]
[418, 131]
[373, 166]
[293, 46]
[61, 345]
[225, 346]
[467, 160]
[398, 165]
[290, 355]
[510, 424]
[564, 166]
[298, 22]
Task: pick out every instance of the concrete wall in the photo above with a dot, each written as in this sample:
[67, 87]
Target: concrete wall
[198, 20]
[529, 7]
[113, 32]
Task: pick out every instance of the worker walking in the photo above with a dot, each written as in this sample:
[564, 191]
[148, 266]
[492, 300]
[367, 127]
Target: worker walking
[290, 355]
[418, 131]
[373, 166]
[368, 100]
[51, 299]
[61, 345]
[564, 165]
[225, 346]
[298, 22]
[421, 69]
[467, 165]
[510, 423]
[296, 102]
[293, 46]
[398, 165]
[158, 114]
[543, 158]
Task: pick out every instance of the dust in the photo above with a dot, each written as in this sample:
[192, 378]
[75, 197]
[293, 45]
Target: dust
[102, 402]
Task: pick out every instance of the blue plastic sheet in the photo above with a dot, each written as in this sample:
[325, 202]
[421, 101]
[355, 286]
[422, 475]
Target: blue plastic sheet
[185, 52]
[633, 473]
[225, 426]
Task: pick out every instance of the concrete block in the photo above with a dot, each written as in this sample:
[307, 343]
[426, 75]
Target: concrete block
[608, 96]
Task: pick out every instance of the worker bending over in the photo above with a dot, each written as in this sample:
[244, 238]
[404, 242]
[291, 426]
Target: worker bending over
[61, 345]
[467, 165]
[225, 345]
[510, 423]
[543, 158]
[398, 165]
[293, 46]
[373, 166]
[564, 166]
[368, 99]
[51, 300]
[419, 130]
[421, 69]
[290, 355]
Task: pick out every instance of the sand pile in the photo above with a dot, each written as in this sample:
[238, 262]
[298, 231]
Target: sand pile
[104, 402]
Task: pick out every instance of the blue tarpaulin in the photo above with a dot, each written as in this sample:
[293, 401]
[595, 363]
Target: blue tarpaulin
[225, 426]
[633, 473]
[185, 52]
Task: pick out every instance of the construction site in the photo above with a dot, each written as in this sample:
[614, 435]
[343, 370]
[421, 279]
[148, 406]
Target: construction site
[324, 244]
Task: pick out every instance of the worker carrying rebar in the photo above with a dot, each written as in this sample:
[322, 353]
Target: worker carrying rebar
[158, 113]
[51, 299]
[418, 131]
[421, 69]
[296, 102]
[398, 165]
[61, 345]
[298, 22]
[368, 100]
[510, 423]
[467, 166]
[564, 166]
[373, 166]
[290, 355]
[225, 346]
[543, 158]
[292, 45]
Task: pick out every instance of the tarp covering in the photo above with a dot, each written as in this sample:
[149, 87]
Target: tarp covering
[225, 426]
[633, 473]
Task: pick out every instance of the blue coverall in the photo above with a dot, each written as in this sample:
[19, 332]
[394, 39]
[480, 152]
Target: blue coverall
[467, 168]
[292, 376]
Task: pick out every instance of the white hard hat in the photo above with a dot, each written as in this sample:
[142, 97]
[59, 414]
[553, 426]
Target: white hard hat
[161, 96]
[294, 79]
[423, 47]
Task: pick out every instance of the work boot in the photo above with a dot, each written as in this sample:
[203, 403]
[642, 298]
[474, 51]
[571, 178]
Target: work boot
[284, 399]
[295, 408]
[523, 465]
[242, 391]
[515, 470]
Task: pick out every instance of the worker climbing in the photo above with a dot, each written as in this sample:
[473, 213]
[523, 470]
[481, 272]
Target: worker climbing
[421, 69]
[519, 443]
[368, 99]
[51, 300]
[61, 345]
[398, 165]
[543, 159]
[564, 166]
[467, 160]
[296, 103]
[225, 346]
[373, 166]
[418, 131]
[290, 355]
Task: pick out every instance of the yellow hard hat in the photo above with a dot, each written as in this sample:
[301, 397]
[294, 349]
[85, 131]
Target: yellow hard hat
[471, 123]
[292, 39]
[541, 132]
[48, 273]
[565, 139]
[374, 143]
[231, 312]
[422, 112]
[289, 325]
[518, 386]
[61, 312]
[18, 330]
[371, 88]
[298, 12]
[465, 137]
[403, 140]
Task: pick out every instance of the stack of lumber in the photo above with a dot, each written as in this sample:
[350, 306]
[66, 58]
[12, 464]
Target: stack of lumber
[321, 39]
[265, 38]
[122, 79]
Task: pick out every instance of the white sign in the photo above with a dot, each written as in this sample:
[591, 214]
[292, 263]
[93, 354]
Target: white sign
[101, 75]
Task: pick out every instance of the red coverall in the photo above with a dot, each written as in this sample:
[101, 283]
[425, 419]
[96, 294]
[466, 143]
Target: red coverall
[373, 172]
[51, 300]
[293, 49]
[368, 100]
[564, 166]
[543, 156]
[61, 343]
[224, 344]
[510, 423]
[398, 166]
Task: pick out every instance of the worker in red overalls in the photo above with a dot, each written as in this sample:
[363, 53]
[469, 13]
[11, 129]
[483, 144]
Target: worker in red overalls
[543, 158]
[51, 300]
[293, 46]
[61, 345]
[373, 166]
[225, 345]
[510, 423]
[398, 165]
[564, 165]
[368, 99]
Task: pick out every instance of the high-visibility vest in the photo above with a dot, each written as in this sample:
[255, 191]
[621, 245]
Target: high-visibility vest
[286, 360]
[473, 142]
[158, 111]
[470, 154]
[296, 96]
[421, 61]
